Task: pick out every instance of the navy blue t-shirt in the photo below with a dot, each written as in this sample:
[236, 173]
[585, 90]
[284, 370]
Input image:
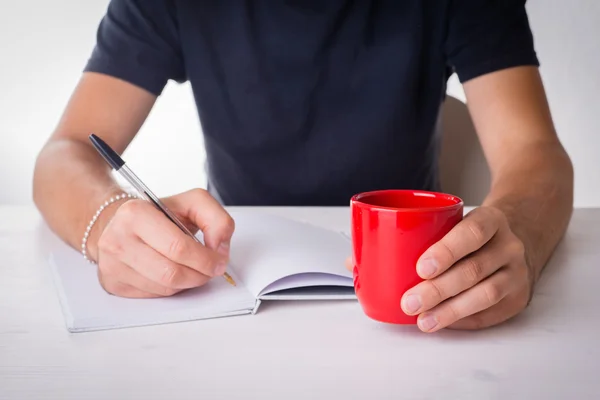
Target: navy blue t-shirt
[307, 102]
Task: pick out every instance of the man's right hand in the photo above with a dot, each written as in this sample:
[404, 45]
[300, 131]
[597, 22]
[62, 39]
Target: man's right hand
[141, 253]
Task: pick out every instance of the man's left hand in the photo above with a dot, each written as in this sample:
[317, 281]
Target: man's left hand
[474, 277]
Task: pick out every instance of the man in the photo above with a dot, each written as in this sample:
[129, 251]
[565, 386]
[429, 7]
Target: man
[306, 103]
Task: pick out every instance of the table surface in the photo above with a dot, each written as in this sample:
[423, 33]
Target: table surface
[299, 349]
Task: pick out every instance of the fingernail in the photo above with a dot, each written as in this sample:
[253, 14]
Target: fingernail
[427, 267]
[412, 303]
[220, 269]
[223, 248]
[428, 322]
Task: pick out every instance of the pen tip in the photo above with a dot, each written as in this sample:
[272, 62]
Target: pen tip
[229, 279]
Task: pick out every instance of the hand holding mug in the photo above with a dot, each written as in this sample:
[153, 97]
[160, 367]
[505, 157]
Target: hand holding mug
[140, 253]
[476, 276]
[416, 260]
[391, 229]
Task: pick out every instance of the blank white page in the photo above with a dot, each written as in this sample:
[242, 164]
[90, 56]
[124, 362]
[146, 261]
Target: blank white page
[86, 306]
[266, 248]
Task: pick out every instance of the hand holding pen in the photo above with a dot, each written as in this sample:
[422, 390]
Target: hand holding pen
[146, 248]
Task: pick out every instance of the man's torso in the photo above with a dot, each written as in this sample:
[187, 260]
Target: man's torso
[309, 102]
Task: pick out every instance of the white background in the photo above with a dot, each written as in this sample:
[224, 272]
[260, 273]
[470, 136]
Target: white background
[45, 44]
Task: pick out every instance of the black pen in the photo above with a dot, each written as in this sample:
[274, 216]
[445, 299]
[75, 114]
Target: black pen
[117, 163]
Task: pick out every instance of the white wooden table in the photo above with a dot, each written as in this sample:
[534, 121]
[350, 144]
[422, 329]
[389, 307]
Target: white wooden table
[305, 350]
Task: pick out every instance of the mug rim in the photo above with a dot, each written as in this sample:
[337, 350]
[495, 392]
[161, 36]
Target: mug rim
[356, 201]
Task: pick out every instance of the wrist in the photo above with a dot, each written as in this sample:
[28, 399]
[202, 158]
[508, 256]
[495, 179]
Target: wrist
[98, 221]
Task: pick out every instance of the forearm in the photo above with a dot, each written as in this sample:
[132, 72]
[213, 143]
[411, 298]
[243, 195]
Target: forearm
[534, 189]
[70, 182]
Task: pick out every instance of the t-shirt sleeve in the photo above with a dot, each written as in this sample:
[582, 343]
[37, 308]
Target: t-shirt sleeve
[138, 41]
[488, 35]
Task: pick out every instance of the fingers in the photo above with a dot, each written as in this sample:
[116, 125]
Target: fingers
[120, 280]
[511, 305]
[123, 290]
[472, 233]
[481, 297]
[154, 229]
[153, 266]
[141, 271]
[199, 207]
[463, 275]
[348, 263]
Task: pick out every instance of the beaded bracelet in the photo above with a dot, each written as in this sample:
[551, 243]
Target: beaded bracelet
[95, 218]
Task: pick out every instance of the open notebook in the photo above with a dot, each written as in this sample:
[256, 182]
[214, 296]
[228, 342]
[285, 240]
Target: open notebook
[272, 258]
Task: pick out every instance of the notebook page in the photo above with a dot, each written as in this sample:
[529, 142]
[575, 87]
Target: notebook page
[266, 248]
[86, 306]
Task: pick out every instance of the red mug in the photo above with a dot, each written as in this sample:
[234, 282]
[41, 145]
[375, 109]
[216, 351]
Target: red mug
[391, 229]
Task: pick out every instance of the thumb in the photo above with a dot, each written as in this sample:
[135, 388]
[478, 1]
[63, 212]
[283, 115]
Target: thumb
[202, 210]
